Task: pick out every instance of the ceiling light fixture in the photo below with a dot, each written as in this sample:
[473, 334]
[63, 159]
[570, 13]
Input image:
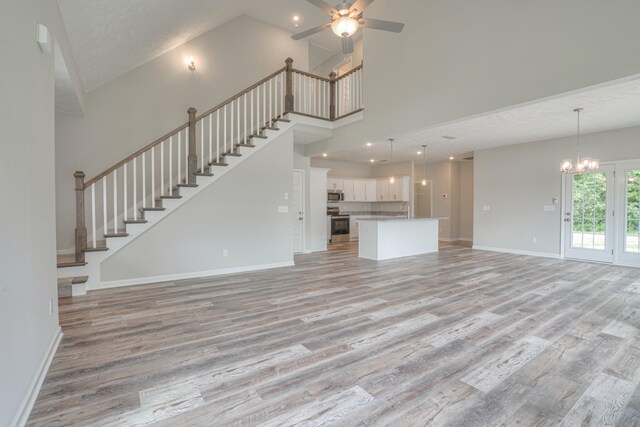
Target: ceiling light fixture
[424, 167]
[345, 26]
[582, 165]
[296, 21]
[369, 144]
[392, 179]
[419, 152]
[372, 160]
[324, 154]
[191, 63]
[451, 158]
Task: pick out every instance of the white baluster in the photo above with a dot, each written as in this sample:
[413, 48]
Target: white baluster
[161, 168]
[294, 89]
[231, 126]
[251, 112]
[104, 205]
[201, 146]
[244, 121]
[170, 165]
[237, 121]
[270, 101]
[210, 159]
[186, 155]
[93, 215]
[264, 105]
[281, 95]
[135, 188]
[124, 189]
[115, 201]
[224, 129]
[144, 181]
[153, 176]
[258, 110]
[218, 136]
[179, 157]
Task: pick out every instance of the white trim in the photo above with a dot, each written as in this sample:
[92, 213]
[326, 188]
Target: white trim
[304, 209]
[517, 252]
[29, 399]
[194, 275]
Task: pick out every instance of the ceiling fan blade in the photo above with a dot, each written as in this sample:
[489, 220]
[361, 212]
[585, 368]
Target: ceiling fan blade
[359, 6]
[347, 45]
[378, 24]
[324, 6]
[307, 33]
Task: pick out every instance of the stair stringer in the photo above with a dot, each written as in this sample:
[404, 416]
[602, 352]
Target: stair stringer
[115, 244]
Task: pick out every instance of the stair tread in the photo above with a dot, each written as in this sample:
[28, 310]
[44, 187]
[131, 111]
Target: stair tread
[188, 185]
[96, 249]
[283, 120]
[271, 128]
[135, 221]
[232, 154]
[245, 145]
[203, 174]
[116, 235]
[155, 208]
[78, 280]
[259, 136]
[170, 196]
[218, 164]
[71, 264]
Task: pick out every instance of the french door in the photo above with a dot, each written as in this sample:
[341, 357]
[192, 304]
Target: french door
[589, 215]
[628, 213]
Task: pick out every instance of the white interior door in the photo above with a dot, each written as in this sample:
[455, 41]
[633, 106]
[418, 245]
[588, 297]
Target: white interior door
[628, 213]
[297, 211]
[588, 215]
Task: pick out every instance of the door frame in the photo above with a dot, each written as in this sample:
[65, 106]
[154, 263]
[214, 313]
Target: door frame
[618, 208]
[610, 218]
[304, 211]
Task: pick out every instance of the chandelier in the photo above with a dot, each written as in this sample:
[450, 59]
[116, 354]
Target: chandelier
[585, 164]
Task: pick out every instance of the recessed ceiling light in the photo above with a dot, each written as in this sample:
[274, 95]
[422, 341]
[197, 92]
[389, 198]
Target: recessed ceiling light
[449, 137]
[451, 158]
[369, 144]
[296, 21]
[296, 18]
[372, 160]
[419, 152]
[324, 154]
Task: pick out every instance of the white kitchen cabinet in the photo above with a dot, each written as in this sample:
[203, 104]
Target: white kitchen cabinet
[354, 228]
[382, 190]
[399, 189]
[359, 190]
[347, 188]
[335, 184]
[370, 192]
[328, 228]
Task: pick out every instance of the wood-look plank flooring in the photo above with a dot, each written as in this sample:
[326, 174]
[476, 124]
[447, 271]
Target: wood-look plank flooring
[461, 337]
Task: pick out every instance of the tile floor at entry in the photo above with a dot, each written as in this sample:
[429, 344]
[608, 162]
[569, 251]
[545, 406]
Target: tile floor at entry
[462, 337]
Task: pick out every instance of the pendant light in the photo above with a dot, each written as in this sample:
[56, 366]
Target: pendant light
[582, 164]
[392, 179]
[424, 167]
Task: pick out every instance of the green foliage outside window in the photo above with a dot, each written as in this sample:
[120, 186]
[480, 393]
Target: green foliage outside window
[590, 203]
[633, 202]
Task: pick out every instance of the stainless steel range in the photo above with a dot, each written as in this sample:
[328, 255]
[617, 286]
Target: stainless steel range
[339, 225]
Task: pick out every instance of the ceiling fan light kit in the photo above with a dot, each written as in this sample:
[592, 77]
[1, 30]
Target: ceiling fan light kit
[346, 18]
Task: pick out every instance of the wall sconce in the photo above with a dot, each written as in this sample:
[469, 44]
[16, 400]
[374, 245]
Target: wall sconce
[191, 63]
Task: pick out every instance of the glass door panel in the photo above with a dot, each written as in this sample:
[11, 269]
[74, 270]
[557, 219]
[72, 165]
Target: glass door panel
[628, 227]
[588, 215]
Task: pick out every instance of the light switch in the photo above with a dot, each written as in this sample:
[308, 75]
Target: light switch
[486, 208]
[286, 196]
[549, 208]
[283, 209]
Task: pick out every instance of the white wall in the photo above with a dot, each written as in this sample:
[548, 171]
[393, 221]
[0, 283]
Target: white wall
[304, 163]
[135, 109]
[27, 228]
[239, 213]
[455, 59]
[466, 200]
[518, 180]
[340, 168]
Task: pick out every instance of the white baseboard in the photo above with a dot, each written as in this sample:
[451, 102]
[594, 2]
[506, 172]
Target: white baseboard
[185, 276]
[517, 252]
[22, 416]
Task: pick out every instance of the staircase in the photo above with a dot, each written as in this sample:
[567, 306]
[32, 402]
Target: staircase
[124, 201]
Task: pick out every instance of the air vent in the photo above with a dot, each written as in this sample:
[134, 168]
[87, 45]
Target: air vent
[449, 137]
[467, 158]
[382, 161]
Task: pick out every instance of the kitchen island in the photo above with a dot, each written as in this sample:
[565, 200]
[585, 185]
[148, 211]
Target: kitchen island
[397, 237]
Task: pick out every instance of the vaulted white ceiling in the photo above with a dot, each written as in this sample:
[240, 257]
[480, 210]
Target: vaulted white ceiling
[111, 37]
[607, 107]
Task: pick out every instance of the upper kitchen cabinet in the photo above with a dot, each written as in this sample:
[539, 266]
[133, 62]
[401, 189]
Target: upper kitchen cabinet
[359, 190]
[399, 189]
[382, 190]
[370, 192]
[347, 188]
[335, 184]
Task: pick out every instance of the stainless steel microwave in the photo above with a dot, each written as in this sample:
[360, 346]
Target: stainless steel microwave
[335, 196]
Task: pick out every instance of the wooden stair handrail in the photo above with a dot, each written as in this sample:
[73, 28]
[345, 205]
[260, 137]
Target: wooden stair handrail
[351, 71]
[313, 76]
[134, 155]
[238, 95]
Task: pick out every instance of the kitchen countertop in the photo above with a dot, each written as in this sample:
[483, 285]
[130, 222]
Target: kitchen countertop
[401, 219]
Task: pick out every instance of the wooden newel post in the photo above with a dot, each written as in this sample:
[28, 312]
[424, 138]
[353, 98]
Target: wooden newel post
[193, 158]
[81, 229]
[332, 95]
[288, 95]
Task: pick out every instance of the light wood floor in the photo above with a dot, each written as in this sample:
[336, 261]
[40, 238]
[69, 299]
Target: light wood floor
[462, 337]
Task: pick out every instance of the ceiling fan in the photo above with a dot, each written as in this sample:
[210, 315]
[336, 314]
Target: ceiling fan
[346, 18]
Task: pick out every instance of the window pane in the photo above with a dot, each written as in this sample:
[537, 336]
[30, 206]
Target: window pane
[632, 232]
[589, 210]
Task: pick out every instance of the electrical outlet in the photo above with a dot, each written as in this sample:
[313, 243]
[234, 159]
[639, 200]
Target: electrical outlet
[225, 252]
[486, 208]
[534, 240]
[286, 196]
[50, 307]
